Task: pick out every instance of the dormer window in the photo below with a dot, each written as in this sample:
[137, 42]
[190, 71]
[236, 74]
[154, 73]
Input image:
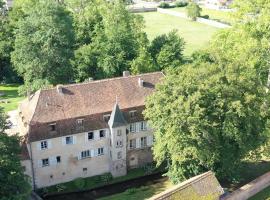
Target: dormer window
[132, 113]
[80, 122]
[106, 118]
[52, 127]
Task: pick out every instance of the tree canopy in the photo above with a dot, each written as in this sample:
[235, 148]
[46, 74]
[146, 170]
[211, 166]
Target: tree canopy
[13, 183]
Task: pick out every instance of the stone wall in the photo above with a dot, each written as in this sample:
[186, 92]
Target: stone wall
[139, 157]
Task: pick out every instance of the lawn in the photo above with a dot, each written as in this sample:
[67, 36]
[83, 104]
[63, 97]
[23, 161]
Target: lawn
[218, 15]
[143, 192]
[196, 35]
[263, 195]
[9, 101]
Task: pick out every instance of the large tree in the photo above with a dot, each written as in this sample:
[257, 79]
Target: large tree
[44, 44]
[207, 117]
[13, 183]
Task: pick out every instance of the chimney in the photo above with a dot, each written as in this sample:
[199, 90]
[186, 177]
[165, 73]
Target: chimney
[59, 89]
[126, 73]
[140, 82]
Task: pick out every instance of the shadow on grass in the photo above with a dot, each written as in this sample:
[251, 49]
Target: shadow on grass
[250, 170]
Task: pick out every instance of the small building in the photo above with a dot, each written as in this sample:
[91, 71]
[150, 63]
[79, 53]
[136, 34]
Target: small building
[87, 129]
[218, 4]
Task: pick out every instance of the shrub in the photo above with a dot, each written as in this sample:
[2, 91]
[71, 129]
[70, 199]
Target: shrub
[205, 16]
[79, 183]
[193, 11]
[105, 178]
[164, 5]
[181, 4]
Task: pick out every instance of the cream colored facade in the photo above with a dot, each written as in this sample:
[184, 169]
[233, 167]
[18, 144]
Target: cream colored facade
[72, 165]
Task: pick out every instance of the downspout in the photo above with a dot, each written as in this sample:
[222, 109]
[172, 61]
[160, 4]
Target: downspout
[32, 165]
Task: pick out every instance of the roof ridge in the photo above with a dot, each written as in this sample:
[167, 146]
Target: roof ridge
[105, 80]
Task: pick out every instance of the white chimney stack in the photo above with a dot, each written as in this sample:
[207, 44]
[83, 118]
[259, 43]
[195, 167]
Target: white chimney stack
[140, 82]
[126, 73]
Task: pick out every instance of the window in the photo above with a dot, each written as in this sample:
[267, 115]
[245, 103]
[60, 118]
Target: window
[58, 159]
[90, 135]
[119, 155]
[51, 176]
[69, 140]
[106, 118]
[85, 154]
[132, 127]
[143, 142]
[119, 143]
[119, 132]
[85, 170]
[45, 162]
[132, 144]
[24, 168]
[80, 122]
[143, 126]
[132, 113]
[102, 133]
[100, 151]
[44, 145]
[52, 127]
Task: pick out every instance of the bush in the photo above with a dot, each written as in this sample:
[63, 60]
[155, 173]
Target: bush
[106, 178]
[181, 4]
[193, 11]
[164, 5]
[205, 16]
[79, 183]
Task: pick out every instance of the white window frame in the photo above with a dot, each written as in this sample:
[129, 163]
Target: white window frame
[132, 141]
[92, 134]
[132, 113]
[143, 142]
[99, 132]
[143, 126]
[100, 151]
[86, 154]
[119, 143]
[52, 124]
[60, 160]
[106, 117]
[132, 127]
[72, 140]
[48, 162]
[44, 145]
[119, 132]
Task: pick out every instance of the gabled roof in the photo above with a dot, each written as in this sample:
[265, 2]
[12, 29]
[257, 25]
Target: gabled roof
[85, 99]
[117, 119]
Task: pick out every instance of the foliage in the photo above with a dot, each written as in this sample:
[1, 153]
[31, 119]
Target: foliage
[164, 5]
[167, 50]
[193, 11]
[43, 44]
[201, 121]
[79, 183]
[13, 183]
[181, 3]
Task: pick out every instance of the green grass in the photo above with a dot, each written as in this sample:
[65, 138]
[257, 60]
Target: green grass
[263, 195]
[11, 96]
[196, 35]
[218, 15]
[143, 192]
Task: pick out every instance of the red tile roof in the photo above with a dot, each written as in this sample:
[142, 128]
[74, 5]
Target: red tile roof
[87, 100]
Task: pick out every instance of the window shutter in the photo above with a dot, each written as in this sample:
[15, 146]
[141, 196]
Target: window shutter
[49, 144]
[138, 127]
[104, 150]
[138, 143]
[52, 160]
[63, 140]
[149, 140]
[39, 146]
[96, 135]
[79, 156]
[86, 137]
[39, 163]
[74, 139]
[92, 152]
[96, 152]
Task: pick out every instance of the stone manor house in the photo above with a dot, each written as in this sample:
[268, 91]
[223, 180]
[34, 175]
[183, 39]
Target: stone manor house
[86, 129]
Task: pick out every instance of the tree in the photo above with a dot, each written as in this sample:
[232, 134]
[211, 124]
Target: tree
[167, 50]
[193, 11]
[13, 183]
[113, 44]
[44, 44]
[208, 117]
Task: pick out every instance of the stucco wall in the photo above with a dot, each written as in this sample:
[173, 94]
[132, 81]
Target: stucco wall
[70, 167]
[26, 164]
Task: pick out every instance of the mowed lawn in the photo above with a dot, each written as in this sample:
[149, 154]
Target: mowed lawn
[141, 193]
[10, 99]
[196, 35]
[218, 15]
[263, 195]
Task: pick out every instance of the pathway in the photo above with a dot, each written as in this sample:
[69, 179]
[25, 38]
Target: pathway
[199, 19]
